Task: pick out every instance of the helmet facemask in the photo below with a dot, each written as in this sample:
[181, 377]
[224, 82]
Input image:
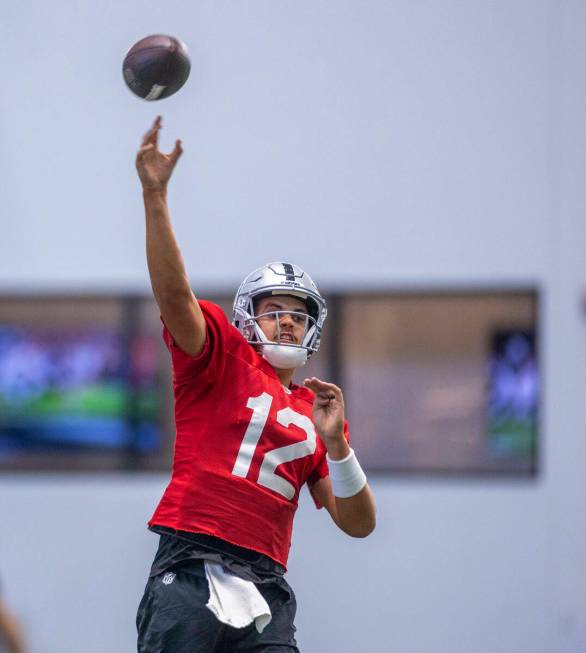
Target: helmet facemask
[280, 352]
[280, 279]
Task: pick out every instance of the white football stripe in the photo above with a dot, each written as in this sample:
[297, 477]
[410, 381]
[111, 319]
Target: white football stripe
[155, 92]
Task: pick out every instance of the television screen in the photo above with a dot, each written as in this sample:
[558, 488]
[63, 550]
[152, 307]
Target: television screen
[74, 389]
[443, 382]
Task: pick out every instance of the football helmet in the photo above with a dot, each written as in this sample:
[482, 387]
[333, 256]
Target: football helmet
[280, 279]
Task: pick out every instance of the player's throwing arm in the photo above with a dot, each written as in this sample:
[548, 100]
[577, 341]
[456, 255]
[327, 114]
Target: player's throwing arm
[169, 280]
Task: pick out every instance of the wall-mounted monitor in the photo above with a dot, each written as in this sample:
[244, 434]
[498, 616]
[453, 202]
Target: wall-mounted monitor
[74, 389]
[80, 383]
[442, 382]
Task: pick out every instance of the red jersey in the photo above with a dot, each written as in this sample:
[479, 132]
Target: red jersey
[245, 444]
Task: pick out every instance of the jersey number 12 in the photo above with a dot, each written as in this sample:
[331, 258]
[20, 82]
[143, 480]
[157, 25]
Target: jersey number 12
[261, 407]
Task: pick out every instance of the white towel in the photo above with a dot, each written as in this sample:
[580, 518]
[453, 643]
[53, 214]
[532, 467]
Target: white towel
[235, 601]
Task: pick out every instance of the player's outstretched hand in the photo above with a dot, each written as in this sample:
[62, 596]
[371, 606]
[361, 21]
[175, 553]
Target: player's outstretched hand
[155, 168]
[328, 409]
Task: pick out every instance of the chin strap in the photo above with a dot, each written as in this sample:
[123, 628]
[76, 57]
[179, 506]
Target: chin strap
[284, 357]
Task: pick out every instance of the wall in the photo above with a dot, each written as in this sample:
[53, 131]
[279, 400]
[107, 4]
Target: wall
[399, 142]
[395, 143]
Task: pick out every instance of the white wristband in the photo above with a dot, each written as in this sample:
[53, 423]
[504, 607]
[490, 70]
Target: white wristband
[346, 475]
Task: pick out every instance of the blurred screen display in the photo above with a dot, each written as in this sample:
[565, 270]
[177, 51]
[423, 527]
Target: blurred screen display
[73, 389]
[442, 383]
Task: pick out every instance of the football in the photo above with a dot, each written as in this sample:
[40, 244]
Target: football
[156, 67]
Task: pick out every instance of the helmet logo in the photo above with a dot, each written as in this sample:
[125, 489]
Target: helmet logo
[289, 271]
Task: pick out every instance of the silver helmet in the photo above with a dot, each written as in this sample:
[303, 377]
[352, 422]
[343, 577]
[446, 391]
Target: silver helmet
[279, 279]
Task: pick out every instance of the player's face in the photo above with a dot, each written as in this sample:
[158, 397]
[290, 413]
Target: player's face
[291, 325]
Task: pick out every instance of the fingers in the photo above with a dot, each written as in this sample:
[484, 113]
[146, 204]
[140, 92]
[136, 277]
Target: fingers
[323, 390]
[319, 385]
[142, 151]
[173, 156]
[152, 136]
[176, 153]
[146, 148]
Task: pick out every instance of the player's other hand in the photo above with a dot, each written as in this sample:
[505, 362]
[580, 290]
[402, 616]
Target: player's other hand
[328, 409]
[155, 168]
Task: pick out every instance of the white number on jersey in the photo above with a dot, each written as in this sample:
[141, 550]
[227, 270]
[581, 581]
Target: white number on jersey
[260, 407]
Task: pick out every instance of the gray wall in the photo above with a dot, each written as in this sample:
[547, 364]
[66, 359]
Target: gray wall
[376, 143]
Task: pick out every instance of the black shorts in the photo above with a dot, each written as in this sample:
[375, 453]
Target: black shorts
[173, 618]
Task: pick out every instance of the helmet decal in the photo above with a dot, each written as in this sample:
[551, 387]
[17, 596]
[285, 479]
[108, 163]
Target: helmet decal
[289, 272]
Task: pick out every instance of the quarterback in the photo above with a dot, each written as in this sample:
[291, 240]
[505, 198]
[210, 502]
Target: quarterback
[247, 439]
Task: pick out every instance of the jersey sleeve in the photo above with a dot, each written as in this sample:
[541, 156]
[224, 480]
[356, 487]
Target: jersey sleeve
[208, 363]
[322, 470]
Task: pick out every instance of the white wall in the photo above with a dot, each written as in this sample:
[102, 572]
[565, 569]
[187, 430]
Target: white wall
[372, 142]
[565, 341]
[451, 567]
[393, 142]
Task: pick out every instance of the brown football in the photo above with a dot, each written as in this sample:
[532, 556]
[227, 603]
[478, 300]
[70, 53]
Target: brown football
[156, 67]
